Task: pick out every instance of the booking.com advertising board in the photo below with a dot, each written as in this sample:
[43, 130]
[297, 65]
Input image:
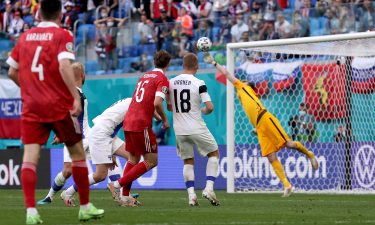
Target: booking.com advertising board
[253, 171]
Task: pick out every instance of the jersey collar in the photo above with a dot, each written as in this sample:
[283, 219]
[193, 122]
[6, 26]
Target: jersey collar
[47, 24]
[159, 70]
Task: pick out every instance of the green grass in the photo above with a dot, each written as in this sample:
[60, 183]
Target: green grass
[170, 207]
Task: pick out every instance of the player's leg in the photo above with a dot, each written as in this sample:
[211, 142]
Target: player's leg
[137, 143]
[118, 147]
[301, 148]
[271, 140]
[69, 132]
[278, 133]
[33, 136]
[60, 179]
[207, 146]
[185, 150]
[279, 170]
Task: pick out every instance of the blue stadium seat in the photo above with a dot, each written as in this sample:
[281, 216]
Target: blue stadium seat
[87, 30]
[148, 49]
[91, 66]
[136, 39]
[215, 32]
[315, 29]
[5, 45]
[28, 19]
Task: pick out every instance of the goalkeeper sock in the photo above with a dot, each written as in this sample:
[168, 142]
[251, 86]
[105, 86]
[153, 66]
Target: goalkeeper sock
[57, 184]
[279, 170]
[189, 178]
[303, 149]
[211, 172]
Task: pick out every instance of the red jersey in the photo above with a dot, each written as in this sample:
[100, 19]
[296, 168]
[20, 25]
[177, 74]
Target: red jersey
[141, 109]
[45, 96]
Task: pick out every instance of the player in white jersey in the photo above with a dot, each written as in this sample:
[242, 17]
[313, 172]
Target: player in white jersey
[104, 145]
[186, 95]
[60, 179]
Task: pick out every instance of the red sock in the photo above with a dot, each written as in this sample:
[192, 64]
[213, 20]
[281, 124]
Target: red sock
[126, 188]
[80, 176]
[137, 171]
[28, 180]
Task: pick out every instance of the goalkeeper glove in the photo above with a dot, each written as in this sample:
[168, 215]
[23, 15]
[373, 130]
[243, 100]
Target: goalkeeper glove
[208, 59]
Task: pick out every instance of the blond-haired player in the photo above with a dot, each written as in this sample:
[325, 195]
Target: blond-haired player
[271, 135]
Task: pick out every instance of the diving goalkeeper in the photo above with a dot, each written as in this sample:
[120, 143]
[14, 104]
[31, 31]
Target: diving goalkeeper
[271, 135]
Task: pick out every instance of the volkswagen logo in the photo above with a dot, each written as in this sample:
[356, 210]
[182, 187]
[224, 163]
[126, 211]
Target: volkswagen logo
[364, 166]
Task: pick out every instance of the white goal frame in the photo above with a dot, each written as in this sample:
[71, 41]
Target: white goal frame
[231, 47]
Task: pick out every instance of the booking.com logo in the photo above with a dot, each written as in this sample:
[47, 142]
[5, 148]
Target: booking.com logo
[364, 166]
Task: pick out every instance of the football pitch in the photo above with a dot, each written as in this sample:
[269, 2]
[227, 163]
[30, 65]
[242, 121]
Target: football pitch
[171, 208]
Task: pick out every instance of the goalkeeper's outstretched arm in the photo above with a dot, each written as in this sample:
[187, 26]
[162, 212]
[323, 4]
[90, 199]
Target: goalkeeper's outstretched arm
[208, 59]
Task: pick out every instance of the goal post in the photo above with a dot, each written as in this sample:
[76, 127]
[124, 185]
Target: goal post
[333, 79]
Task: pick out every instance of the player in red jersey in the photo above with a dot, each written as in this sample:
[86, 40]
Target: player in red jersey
[148, 97]
[40, 64]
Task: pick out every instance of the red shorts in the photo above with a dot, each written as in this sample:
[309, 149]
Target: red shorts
[141, 143]
[67, 129]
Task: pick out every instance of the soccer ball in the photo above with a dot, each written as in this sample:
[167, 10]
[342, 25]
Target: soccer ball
[204, 44]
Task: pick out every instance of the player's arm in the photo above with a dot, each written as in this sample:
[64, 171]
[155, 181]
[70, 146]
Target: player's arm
[67, 75]
[208, 59]
[159, 108]
[169, 104]
[161, 94]
[206, 99]
[13, 75]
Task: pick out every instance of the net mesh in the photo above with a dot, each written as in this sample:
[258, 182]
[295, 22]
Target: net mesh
[323, 95]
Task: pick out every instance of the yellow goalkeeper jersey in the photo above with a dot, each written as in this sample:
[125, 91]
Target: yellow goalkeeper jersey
[249, 100]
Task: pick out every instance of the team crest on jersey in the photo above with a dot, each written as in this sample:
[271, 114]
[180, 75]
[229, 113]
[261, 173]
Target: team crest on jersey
[153, 147]
[164, 89]
[69, 46]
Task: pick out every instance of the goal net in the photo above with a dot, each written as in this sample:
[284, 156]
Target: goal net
[321, 89]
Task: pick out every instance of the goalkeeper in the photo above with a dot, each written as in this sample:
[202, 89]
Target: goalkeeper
[271, 135]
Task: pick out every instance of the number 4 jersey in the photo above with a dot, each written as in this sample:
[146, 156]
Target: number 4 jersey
[141, 109]
[186, 95]
[45, 97]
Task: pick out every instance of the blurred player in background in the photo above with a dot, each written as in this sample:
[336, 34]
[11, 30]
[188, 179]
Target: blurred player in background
[60, 179]
[271, 135]
[104, 145]
[186, 95]
[40, 65]
[148, 97]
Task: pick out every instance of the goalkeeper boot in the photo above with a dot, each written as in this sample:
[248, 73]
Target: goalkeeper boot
[33, 219]
[193, 200]
[68, 199]
[288, 191]
[116, 192]
[45, 201]
[211, 197]
[129, 201]
[314, 161]
[91, 213]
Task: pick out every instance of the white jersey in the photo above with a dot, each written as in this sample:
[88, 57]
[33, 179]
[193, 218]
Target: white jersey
[186, 95]
[83, 118]
[111, 120]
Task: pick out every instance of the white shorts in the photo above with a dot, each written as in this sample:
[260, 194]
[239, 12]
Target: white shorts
[102, 147]
[205, 143]
[85, 143]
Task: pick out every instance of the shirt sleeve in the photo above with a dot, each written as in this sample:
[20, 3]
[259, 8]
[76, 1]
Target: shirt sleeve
[203, 92]
[66, 47]
[238, 84]
[162, 88]
[14, 57]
